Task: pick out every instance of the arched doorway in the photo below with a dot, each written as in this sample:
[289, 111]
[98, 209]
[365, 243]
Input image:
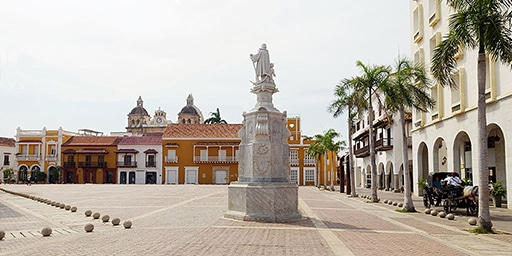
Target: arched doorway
[440, 157]
[22, 173]
[380, 175]
[423, 169]
[496, 154]
[389, 176]
[462, 156]
[37, 175]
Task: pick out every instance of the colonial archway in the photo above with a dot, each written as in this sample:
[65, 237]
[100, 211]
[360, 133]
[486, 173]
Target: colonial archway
[380, 175]
[496, 154]
[423, 169]
[389, 176]
[462, 156]
[440, 157]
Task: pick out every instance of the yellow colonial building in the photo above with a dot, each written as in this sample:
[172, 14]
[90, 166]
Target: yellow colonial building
[38, 154]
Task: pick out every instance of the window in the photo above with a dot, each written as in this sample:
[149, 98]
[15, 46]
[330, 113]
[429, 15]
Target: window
[434, 12]
[127, 160]
[490, 80]
[222, 155]
[419, 56]
[71, 158]
[435, 108]
[433, 42]
[204, 155]
[101, 158]
[307, 158]
[458, 94]
[294, 156]
[24, 149]
[293, 174]
[6, 160]
[417, 23]
[171, 156]
[52, 151]
[309, 175]
[151, 161]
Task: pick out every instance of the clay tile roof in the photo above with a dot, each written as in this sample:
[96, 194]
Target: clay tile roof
[92, 141]
[141, 140]
[92, 151]
[7, 142]
[151, 151]
[228, 131]
[69, 151]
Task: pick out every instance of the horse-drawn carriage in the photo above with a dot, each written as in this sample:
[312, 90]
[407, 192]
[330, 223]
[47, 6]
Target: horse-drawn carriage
[436, 190]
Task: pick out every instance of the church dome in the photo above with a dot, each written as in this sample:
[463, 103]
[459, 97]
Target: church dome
[139, 109]
[189, 110]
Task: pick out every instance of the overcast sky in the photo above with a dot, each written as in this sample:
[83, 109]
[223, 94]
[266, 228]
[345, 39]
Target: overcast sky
[83, 64]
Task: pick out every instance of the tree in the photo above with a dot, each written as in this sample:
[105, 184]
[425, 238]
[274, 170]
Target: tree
[215, 118]
[407, 91]
[332, 149]
[372, 79]
[316, 150]
[353, 102]
[486, 27]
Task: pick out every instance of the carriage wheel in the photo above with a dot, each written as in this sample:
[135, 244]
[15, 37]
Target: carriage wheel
[447, 205]
[426, 201]
[472, 208]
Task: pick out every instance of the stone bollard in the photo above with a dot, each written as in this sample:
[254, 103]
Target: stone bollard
[116, 221]
[2, 234]
[127, 224]
[385, 201]
[67, 207]
[88, 213]
[89, 227]
[73, 209]
[428, 211]
[96, 215]
[395, 203]
[62, 205]
[442, 214]
[400, 204]
[472, 221]
[434, 212]
[46, 231]
[450, 216]
[105, 218]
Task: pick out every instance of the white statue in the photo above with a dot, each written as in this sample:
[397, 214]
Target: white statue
[264, 69]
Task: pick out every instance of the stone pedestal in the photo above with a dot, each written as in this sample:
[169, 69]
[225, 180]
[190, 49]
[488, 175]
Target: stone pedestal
[263, 191]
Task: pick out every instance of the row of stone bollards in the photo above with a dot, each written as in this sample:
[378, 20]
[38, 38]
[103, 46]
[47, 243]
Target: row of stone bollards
[47, 231]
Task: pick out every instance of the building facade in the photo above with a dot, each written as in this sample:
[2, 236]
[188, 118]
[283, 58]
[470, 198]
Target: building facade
[139, 159]
[38, 154]
[8, 153]
[444, 139]
[90, 159]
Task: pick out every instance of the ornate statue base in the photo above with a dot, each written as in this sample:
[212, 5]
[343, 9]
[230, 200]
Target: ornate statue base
[263, 191]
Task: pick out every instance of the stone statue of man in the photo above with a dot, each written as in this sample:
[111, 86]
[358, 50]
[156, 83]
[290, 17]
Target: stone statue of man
[264, 71]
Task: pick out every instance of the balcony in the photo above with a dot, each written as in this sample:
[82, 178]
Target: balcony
[26, 157]
[215, 159]
[92, 164]
[309, 161]
[171, 159]
[384, 144]
[51, 158]
[362, 152]
[151, 164]
[127, 164]
[69, 165]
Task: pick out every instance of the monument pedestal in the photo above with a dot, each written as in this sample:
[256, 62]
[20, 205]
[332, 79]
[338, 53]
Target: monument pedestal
[263, 191]
[263, 201]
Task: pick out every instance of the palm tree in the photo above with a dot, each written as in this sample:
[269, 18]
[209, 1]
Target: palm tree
[407, 90]
[316, 150]
[372, 79]
[215, 118]
[332, 148]
[347, 99]
[482, 25]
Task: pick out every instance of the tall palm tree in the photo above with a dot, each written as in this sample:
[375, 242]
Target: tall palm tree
[371, 80]
[215, 118]
[332, 149]
[317, 150]
[485, 26]
[353, 102]
[407, 91]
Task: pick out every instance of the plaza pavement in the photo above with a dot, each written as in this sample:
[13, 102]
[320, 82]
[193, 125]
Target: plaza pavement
[188, 220]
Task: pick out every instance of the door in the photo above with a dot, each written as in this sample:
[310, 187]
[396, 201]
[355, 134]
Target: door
[221, 177]
[70, 177]
[172, 176]
[131, 178]
[122, 178]
[150, 177]
[191, 177]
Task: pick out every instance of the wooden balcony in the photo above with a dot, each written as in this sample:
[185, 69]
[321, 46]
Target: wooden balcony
[69, 164]
[362, 152]
[384, 144]
[92, 164]
[216, 159]
[127, 164]
[151, 164]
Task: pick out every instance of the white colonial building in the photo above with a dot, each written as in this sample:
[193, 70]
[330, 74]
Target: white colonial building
[444, 139]
[139, 159]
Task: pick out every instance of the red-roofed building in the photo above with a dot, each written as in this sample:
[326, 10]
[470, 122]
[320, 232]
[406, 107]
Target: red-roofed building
[139, 159]
[90, 159]
[200, 153]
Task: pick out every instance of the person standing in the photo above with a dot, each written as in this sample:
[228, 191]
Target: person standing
[29, 177]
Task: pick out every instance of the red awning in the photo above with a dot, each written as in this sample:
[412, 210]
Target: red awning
[69, 151]
[151, 151]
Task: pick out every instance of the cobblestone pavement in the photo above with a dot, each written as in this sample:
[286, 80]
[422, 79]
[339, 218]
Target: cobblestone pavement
[188, 220]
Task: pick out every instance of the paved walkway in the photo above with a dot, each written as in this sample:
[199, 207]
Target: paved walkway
[188, 220]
